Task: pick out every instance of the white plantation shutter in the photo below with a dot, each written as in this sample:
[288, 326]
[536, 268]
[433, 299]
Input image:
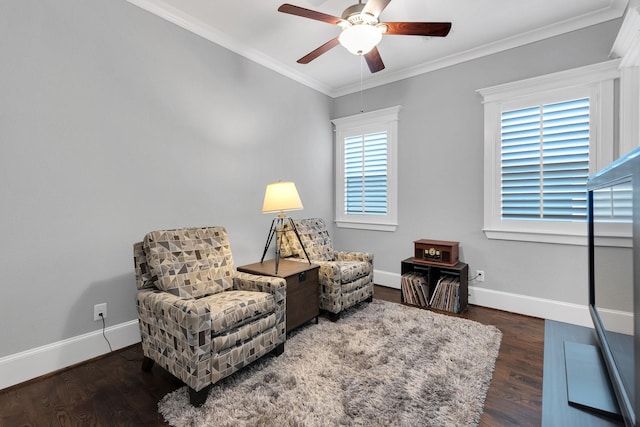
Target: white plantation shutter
[543, 136]
[545, 161]
[367, 170]
[365, 175]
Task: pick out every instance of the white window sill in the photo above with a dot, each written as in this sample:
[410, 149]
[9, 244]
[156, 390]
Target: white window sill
[611, 239]
[538, 237]
[366, 226]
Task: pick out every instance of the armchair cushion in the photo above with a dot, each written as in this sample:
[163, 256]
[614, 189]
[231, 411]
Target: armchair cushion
[315, 237]
[190, 262]
[233, 308]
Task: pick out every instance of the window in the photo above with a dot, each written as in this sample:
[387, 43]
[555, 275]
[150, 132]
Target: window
[543, 138]
[366, 170]
[545, 161]
[365, 174]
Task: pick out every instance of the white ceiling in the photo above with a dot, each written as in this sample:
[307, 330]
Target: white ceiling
[256, 30]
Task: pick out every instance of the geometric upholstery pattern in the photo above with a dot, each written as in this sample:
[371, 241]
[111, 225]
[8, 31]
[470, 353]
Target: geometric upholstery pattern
[313, 233]
[232, 308]
[203, 332]
[144, 278]
[190, 262]
[346, 278]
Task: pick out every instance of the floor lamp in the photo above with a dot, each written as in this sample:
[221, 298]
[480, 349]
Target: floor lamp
[281, 197]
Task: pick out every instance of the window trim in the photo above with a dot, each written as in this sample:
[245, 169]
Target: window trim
[380, 120]
[598, 81]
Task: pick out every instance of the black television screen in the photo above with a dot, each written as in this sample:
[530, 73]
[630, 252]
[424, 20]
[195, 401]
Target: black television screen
[614, 286]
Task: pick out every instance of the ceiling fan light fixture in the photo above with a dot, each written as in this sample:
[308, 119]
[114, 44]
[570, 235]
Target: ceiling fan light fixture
[360, 39]
[362, 30]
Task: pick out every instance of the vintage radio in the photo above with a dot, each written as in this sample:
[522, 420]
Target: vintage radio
[436, 252]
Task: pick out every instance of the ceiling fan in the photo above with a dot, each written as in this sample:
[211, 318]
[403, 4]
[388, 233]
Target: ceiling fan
[362, 30]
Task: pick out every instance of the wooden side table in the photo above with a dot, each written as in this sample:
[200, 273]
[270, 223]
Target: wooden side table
[303, 288]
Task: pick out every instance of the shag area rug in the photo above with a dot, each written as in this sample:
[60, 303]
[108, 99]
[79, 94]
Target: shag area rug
[380, 364]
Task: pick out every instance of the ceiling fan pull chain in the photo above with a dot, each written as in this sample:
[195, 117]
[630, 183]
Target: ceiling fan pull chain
[361, 91]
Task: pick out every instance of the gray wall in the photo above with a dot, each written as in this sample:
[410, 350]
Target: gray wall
[441, 167]
[114, 122]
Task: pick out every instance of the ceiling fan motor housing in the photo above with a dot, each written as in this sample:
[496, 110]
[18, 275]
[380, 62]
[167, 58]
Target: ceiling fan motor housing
[353, 14]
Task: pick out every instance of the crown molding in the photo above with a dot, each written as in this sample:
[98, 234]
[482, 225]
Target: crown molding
[627, 44]
[614, 10]
[193, 25]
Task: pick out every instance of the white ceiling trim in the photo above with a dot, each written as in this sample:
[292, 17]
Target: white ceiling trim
[205, 31]
[614, 10]
[627, 44]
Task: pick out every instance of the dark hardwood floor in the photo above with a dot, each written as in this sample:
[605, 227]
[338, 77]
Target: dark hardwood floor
[113, 391]
[515, 395]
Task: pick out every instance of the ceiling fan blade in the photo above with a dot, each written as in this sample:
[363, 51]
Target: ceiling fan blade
[433, 29]
[319, 51]
[375, 7]
[308, 13]
[374, 61]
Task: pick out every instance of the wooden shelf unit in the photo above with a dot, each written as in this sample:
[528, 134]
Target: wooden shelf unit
[432, 273]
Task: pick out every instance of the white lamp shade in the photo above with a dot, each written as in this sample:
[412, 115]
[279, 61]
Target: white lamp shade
[281, 196]
[360, 39]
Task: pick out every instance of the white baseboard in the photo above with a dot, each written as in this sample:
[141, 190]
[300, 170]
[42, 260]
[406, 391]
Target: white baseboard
[26, 365]
[560, 311]
[20, 367]
[384, 278]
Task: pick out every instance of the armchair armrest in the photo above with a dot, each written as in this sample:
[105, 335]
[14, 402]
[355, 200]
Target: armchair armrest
[253, 282]
[354, 256]
[276, 286]
[179, 326]
[330, 275]
[164, 305]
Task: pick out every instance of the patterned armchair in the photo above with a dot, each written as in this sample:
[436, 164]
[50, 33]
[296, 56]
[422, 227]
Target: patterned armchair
[346, 278]
[200, 319]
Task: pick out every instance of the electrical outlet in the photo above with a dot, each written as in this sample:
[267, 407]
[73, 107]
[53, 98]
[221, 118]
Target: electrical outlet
[479, 276]
[100, 308]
